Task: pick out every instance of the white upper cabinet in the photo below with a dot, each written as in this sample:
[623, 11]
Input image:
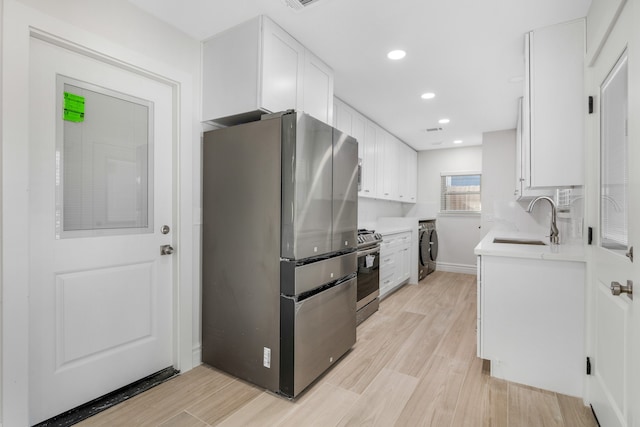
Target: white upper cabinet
[408, 169]
[317, 97]
[523, 189]
[390, 170]
[368, 184]
[283, 63]
[256, 68]
[554, 105]
[388, 167]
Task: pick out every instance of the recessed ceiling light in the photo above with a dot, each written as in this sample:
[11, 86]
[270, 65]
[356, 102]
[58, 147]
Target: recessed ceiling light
[428, 95]
[443, 121]
[457, 141]
[396, 54]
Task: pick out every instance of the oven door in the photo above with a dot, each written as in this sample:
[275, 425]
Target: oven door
[368, 276]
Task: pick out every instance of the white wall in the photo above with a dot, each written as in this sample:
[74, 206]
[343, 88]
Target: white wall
[369, 210]
[1, 207]
[458, 234]
[498, 174]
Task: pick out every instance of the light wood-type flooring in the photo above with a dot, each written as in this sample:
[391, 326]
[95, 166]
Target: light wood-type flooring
[414, 364]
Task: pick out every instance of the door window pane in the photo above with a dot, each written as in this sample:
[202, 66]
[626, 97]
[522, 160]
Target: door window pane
[104, 162]
[613, 158]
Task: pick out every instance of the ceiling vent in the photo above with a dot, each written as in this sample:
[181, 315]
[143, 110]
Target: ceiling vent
[433, 130]
[299, 4]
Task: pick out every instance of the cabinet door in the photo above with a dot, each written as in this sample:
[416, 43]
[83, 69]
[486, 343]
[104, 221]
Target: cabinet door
[357, 131]
[282, 69]
[405, 257]
[412, 175]
[388, 265]
[369, 167]
[401, 170]
[407, 173]
[556, 87]
[318, 89]
[389, 168]
[523, 188]
[343, 117]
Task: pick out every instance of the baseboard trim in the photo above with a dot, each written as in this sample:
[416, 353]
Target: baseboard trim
[196, 356]
[456, 268]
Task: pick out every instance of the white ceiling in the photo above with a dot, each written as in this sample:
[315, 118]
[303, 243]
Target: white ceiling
[466, 51]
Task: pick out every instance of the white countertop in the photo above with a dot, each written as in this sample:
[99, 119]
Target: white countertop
[561, 252]
[394, 230]
[392, 225]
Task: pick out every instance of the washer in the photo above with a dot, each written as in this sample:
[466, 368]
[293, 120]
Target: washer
[428, 248]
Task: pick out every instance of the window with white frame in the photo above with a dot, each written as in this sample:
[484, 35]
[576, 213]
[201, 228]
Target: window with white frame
[460, 192]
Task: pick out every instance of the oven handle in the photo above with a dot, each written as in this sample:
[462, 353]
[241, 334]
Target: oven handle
[368, 251]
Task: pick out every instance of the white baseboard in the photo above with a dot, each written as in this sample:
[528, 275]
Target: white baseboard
[196, 357]
[456, 268]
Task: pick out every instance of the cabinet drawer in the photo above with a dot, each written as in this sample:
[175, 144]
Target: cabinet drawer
[387, 280]
[387, 259]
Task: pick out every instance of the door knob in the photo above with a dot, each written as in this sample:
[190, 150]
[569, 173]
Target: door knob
[617, 288]
[166, 250]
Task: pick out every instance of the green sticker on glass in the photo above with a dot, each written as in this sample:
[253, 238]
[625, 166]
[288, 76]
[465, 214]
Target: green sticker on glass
[73, 107]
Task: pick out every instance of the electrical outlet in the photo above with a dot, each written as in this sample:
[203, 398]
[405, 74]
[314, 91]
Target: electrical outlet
[266, 357]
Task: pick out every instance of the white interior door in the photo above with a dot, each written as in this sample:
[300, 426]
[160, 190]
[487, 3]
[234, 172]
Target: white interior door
[613, 205]
[101, 312]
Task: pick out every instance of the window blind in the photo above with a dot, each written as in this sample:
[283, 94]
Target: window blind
[460, 192]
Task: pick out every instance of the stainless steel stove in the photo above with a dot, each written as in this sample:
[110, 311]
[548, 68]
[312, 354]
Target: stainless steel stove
[368, 238]
[368, 285]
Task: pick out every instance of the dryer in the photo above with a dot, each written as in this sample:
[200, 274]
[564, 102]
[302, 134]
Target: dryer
[428, 248]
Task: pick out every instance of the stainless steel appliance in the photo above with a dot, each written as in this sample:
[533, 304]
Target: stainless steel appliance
[428, 248]
[368, 288]
[279, 250]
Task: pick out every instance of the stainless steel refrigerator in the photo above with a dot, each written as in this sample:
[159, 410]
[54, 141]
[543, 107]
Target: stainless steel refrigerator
[279, 241]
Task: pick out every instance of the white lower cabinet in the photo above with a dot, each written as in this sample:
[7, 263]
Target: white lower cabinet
[531, 321]
[395, 261]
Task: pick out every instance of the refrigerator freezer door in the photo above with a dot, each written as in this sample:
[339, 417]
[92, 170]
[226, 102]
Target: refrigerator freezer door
[345, 192]
[303, 278]
[316, 332]
[307, 186]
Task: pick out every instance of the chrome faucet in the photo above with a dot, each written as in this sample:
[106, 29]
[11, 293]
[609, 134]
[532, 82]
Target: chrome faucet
[554, 237]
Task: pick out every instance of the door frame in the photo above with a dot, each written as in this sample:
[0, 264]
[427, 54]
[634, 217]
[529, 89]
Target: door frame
[19, 24]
